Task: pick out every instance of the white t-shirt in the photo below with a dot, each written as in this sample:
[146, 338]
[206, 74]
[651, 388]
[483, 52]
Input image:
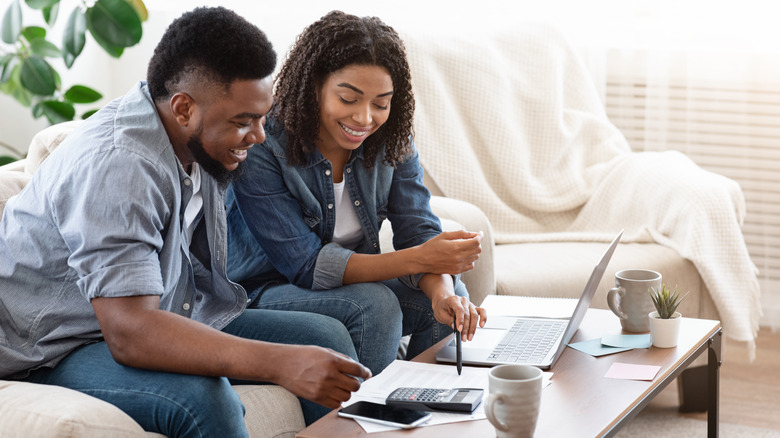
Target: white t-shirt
[195, 204]
[348, 233]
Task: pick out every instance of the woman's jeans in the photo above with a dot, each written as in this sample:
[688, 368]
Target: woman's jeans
[376, 315]
[181, 405]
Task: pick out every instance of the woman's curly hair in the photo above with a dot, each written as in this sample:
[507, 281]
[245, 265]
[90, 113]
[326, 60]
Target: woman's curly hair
[336, 41]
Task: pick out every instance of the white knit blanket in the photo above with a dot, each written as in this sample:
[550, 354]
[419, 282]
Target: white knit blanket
[512, 122]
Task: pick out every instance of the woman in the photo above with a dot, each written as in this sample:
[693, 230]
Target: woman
[338, 159]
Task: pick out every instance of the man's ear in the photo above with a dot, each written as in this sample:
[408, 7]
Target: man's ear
[182, 108]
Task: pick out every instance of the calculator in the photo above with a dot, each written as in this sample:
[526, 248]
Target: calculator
[436, 399]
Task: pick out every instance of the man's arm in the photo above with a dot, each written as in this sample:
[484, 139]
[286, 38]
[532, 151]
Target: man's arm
[141, 335]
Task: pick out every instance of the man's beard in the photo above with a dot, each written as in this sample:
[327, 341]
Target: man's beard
[210, 165]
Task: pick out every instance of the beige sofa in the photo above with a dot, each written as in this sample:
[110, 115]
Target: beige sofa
[558, 269]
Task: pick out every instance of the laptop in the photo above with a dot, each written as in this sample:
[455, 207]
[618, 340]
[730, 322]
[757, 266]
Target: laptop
[528, 340]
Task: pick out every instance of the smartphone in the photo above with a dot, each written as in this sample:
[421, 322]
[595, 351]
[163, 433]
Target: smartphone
[388, 415]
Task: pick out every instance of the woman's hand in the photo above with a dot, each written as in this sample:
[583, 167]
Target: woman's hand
[451, 252]
[466, 315]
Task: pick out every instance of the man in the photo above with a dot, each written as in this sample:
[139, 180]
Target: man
[112, 260]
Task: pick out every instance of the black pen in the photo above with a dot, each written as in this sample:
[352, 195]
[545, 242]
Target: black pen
[458, 346]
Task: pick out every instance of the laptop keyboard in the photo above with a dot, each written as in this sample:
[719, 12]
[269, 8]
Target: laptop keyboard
[528, 341]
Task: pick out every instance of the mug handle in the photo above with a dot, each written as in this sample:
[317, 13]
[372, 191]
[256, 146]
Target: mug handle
[612, 301]
[491, 400]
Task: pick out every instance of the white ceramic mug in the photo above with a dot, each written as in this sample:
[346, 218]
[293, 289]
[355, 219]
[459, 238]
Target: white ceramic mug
[630, 298]
[514, 398]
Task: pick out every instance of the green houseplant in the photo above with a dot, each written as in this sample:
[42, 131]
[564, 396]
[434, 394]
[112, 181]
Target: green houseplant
[665, 320]
[27, 72]
[665, 300]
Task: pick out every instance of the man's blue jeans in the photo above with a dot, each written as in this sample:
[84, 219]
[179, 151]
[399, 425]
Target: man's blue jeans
[375, 314]
[180, 405]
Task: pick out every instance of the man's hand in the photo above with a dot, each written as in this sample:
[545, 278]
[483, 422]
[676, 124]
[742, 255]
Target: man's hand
[142, 336]
[320, 375]
[451, 252]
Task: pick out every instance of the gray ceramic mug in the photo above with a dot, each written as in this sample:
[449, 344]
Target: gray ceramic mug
[630, 298]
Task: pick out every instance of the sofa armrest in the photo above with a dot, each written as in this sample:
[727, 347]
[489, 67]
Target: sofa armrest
[480, 281]
[461, 215]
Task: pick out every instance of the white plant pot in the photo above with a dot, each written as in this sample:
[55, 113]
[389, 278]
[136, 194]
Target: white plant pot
[664, 332]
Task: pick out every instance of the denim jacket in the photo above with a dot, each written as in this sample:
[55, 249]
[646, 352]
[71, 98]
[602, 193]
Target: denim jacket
[102, 217]
[281, 218]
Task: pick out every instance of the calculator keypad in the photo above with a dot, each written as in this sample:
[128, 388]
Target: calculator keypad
[422, 394]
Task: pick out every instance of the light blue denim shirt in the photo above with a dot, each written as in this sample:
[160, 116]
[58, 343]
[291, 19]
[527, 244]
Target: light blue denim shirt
[281, 218]
[102, 217]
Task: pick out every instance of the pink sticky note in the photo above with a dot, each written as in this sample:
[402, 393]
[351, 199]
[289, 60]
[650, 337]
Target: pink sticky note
[630, 371]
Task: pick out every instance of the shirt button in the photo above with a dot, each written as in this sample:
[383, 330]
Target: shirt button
[349, 169]
[327, 172]
[187, 182]
[357, 203]
[330, 206]
[186, 306]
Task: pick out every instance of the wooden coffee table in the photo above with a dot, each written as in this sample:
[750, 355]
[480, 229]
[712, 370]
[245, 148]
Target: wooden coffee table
[581, 401]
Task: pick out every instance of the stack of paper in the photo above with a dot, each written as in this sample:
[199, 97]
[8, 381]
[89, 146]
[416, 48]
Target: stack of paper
[424, 375]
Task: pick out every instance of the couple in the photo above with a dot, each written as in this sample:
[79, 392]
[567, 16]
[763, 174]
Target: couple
[119, 262]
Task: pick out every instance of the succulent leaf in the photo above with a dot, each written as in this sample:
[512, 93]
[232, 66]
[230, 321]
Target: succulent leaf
[666, 300]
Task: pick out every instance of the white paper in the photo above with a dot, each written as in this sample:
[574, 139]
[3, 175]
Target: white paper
[424, 375]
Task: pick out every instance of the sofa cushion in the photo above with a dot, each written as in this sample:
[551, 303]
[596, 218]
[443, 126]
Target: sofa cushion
[271, 411]
[28, 410]
[11, 183]
[45, 142]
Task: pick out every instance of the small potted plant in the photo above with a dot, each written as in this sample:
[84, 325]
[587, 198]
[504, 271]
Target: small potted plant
[665, 320]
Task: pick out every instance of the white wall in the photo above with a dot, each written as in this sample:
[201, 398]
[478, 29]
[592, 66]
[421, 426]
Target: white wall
[632, 23]
[281, 20]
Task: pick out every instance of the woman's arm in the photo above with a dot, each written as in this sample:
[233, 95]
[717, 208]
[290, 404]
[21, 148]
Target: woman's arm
[451, 252]
[448, 307]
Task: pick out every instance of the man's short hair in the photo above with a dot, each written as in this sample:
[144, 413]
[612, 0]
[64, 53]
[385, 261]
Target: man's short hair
[216, 44]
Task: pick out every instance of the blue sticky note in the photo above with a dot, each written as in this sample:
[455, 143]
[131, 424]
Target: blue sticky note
[595, 348]
[630, 341]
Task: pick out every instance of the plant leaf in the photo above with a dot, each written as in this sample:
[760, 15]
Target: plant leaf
[74, 37]
[14, 88]
[40, 4]
[115, 22]
[37, 110]
[38, 76]
[140, 9]
[58, 112]
[5, 159]
[111, 49]
[12, 23]
[82, 94]
[50, 13]
[32, 32]
[7, 64]
[41, 47]
[87, 114]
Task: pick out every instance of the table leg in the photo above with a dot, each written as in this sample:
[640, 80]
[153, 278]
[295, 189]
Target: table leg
[713, 384]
